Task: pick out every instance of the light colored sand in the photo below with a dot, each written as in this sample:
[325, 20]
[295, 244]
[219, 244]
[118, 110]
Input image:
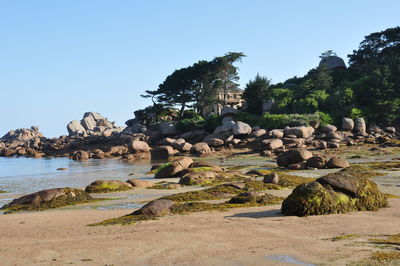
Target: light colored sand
[236, 237]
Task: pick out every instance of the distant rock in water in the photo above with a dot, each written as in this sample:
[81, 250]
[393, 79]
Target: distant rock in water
[22, 134]
[93, 124]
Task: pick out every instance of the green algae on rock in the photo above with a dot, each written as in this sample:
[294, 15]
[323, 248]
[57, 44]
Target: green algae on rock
[105, 186]
[47, 199]
[334, 193]
[3, 191]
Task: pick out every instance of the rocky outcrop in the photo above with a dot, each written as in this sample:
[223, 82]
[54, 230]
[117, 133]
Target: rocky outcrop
[233, 128]
[22, 134]
[92, 124]
[49, 198]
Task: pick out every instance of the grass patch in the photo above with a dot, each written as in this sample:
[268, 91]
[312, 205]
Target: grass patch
[126, 220]
[388, 195]
[343, 237]
[386, 257]
[391, 240]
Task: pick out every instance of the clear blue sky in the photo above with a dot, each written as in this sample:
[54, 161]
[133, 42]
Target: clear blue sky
[59, 59]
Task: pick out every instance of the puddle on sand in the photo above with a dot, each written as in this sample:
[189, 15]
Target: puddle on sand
[288, 259]
[122, 205]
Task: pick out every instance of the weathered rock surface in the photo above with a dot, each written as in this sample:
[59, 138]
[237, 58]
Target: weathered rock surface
[300, 132]
[292, 157]
[162, 152]
[80, 156]
[22, 134]
[173, 167]
[347, 124]
[200, 148]
[156, 207]
[137, 146]
[92, 124]
[337, 162]
[48, 198]
[140, 183]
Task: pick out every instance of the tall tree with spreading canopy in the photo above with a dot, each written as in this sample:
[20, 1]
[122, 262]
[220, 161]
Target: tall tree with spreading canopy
[255, 93]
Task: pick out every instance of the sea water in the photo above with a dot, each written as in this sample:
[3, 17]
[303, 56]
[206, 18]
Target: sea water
[26, 175]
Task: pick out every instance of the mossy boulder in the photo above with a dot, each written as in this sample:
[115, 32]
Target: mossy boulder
[334, 193]
[255, 197]
[198, 178]
[104, 186]
[214, 167]
[172, 168]
[49, 198]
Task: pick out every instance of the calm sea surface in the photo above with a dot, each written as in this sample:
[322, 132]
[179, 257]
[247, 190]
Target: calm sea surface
[25, 175]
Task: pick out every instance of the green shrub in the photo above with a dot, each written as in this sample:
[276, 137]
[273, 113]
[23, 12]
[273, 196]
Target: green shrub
[324, 118]
[212, 122]
[251, 119]
[355, 113]
[271, 121]
[190, 124]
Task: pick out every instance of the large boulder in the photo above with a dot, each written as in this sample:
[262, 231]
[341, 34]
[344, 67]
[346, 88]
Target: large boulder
[104, 186]
[328, 129]
[137, 146]
[74, 127]
[337, 162]
[80, 155]
[228, 111]
[161, 152]
[200, 148]
[334, 193]
[360, 126]
[172, 168]
[300, 132]
[48, 198]
[233, 128]
[139, 183]
[198, 178]
[347, 124]
[316, 162]
[277, 133]
[88, 123]
[241, 128]
[214, 142]
[156, 207]
[292, 157]
[272, 144]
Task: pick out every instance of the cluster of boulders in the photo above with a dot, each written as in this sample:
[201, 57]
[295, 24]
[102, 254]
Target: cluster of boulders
[300, 159]
[92, 124]
[22, 142]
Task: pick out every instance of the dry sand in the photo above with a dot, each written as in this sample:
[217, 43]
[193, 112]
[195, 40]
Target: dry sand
[244, 236]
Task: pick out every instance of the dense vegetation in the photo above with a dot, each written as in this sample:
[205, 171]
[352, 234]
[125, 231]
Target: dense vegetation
[369, 88]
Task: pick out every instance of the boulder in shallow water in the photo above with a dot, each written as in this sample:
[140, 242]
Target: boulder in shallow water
[48, 198]
[80, 156]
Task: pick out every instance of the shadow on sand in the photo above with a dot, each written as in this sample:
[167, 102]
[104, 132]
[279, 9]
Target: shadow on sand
[263, 214]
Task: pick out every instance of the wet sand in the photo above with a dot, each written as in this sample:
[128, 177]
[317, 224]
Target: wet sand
[234, 237]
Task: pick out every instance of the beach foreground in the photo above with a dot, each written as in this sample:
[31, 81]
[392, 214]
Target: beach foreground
[251, 236]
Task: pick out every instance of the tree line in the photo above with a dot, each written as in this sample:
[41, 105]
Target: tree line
[369, 87]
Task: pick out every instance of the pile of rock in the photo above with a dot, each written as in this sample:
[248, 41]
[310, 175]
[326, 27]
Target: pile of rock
[22, 142]
[92, 124]
[300, 159]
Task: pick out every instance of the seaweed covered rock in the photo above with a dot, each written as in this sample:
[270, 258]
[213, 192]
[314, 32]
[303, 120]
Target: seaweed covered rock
[198, 178]
[339, 192]
[48, 198]
[104, 186]
[156, 207]
[215, 167]
[174, 167]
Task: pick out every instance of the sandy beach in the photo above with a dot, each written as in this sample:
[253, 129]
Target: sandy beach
[250, 236]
